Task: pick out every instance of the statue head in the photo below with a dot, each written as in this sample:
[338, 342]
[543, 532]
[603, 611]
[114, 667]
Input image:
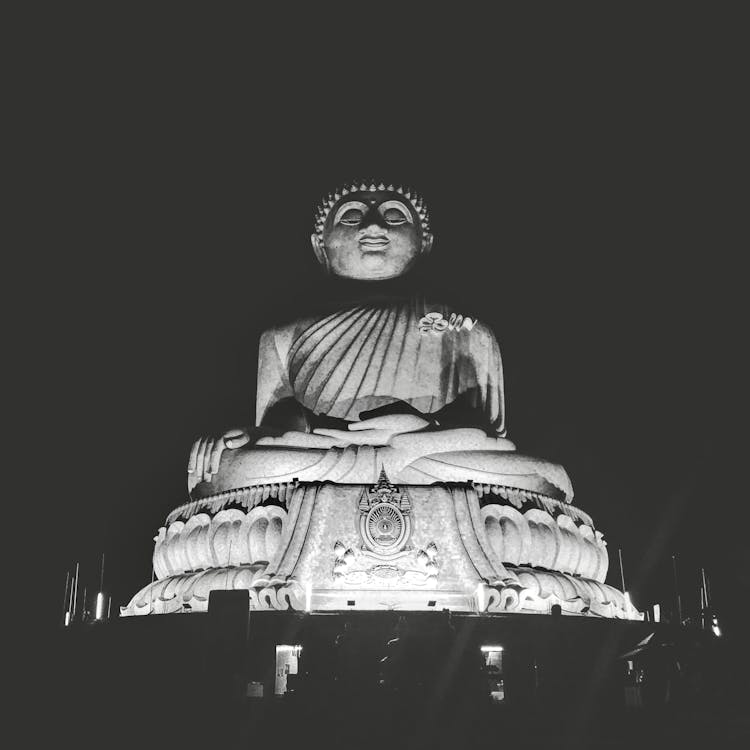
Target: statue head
[371, 231]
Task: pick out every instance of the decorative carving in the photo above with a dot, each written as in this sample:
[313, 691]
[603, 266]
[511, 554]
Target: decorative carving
[384, 520]
[491, 494]
[189, 592]
[434, 322]
[414, 567]
[539, 590]
[385, 557]
[539, 539]
[246, 497]
[231, 537]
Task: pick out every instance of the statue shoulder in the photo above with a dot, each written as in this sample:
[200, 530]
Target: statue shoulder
[280, 338]
[277, 340]
[484, 329]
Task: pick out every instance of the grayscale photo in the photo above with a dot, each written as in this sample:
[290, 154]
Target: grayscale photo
[384, 376]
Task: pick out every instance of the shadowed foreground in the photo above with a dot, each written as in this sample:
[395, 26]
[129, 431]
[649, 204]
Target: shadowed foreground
[367, 680]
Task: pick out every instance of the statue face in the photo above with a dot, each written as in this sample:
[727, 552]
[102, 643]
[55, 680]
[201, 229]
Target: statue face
[371, 235]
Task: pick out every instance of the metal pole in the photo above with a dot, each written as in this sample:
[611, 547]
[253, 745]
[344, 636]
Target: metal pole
[65, 595]
[676, 588]
[704, 588]
[75, 596]
[622, 572]
[69, 612]
[109, 605]
[100, 594]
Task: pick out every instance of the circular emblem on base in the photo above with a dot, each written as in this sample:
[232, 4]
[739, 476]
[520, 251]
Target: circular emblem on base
[384, 518]
[385, 528]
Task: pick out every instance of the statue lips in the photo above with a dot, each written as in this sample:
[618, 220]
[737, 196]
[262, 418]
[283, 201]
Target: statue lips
[374, 243]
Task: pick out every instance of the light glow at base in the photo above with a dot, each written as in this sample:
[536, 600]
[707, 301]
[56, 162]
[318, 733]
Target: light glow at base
[480, 597]
[715, 627]
[491, 648]
[283, 648]
[67, 619]
[99, 606]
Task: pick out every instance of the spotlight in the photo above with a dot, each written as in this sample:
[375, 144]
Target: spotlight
[99, 606]
[480, 597]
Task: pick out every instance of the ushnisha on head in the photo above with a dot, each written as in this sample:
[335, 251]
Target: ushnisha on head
[371, 230]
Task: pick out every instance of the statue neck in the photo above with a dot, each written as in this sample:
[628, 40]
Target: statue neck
[340, 292]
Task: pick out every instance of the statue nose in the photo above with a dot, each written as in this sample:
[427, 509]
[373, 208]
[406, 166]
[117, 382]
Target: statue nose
[373, 219]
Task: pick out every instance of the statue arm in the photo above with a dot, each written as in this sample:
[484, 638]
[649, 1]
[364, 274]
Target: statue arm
[495, 396]
[274, 403]
[273, 378]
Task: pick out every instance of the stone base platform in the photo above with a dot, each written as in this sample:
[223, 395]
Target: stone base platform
[325, 546]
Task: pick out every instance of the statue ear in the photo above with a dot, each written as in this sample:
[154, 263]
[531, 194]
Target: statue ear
[426, 243]
[320, 252]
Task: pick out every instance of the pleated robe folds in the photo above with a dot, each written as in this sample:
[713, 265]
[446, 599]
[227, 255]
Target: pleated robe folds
[368, 356]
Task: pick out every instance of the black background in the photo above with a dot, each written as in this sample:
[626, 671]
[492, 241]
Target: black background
[584, 187]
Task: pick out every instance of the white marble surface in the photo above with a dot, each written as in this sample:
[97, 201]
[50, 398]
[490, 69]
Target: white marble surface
[493, 558]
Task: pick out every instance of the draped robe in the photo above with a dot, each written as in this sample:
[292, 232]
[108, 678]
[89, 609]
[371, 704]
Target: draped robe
[367, 356]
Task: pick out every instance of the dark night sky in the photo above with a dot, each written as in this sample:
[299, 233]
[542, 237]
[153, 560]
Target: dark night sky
[584, 202]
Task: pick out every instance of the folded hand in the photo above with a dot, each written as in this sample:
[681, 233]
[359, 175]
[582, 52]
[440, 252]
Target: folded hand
[375, 431]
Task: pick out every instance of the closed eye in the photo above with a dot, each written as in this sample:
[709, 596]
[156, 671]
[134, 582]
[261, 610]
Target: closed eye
[394, 217]
[395, 213]
[352, 217]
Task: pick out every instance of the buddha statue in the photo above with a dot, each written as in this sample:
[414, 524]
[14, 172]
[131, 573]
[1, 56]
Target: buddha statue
[378, 473]
[416, 379]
